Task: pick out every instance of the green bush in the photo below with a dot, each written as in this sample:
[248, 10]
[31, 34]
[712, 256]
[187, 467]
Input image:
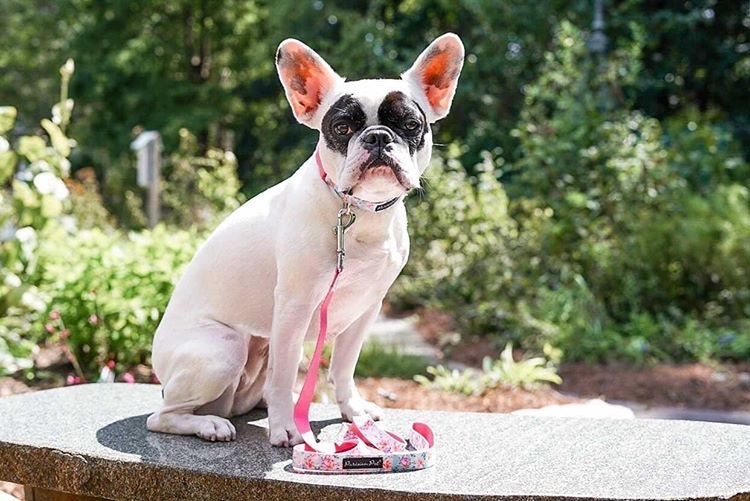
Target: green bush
[376, 360]
[199, 190]
[526, 373]
[618, 238]
[33, 203]
[108, 290]
[462, 237]
[99, 291]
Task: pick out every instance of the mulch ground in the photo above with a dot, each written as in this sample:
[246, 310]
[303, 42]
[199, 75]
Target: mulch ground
[404, 394]
[725, 387]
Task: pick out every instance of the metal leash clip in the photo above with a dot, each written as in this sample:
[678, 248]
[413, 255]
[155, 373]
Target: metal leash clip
[344, 220]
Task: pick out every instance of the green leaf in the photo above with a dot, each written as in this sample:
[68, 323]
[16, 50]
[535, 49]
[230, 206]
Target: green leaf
[32, 147]
[7, 165]
[59, 140]
[7, 118]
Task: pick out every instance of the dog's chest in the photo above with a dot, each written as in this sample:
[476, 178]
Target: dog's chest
[368, 273]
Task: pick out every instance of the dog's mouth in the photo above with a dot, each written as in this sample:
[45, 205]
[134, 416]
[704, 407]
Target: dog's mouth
[383, 166]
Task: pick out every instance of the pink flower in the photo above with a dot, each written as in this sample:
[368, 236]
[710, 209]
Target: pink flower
[387, 465]
[405, 461]
[309, 462]
[111, 364]
[71, 380]
[64, 334]
[54, 315]
[328, 463]
[128, 378]
[49, 328]
[420, 463]
[93, 319]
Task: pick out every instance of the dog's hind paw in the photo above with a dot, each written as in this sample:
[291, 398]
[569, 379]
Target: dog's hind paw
[216, 429]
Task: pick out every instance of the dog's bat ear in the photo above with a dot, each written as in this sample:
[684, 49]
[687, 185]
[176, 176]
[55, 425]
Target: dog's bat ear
[434, 75]
[306, 78]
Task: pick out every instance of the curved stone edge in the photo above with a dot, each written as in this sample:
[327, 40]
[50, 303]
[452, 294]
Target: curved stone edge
[78, 474]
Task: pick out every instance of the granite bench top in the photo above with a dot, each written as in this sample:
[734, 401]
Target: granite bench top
[92, 440]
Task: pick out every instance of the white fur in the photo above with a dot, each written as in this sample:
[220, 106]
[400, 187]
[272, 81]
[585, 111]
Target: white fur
[252, 293]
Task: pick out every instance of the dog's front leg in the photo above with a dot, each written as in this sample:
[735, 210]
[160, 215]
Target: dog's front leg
[291, 319]
[345, 354]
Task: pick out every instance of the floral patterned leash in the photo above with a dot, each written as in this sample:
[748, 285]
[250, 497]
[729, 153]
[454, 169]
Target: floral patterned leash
[361, 446]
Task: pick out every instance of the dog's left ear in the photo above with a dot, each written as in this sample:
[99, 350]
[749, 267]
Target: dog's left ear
[434, 75]
[306, 78]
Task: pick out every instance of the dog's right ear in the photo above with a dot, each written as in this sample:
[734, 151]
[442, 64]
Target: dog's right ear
[306, 78]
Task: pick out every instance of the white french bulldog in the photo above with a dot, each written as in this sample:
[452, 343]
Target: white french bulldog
[232, 334]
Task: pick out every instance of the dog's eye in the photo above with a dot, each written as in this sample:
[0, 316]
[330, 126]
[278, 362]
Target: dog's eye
[341, 128]
[411, 124]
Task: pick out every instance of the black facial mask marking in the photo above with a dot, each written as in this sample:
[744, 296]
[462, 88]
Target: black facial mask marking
[396, 111]
[346, 110]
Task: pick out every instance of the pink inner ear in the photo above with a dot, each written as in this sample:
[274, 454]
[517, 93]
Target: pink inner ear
[305, 80]
[307, 102]
[439, 98]
[439, 77]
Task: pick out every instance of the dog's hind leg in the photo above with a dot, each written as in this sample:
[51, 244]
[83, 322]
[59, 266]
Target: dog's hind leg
[200, 375]
[250, 390]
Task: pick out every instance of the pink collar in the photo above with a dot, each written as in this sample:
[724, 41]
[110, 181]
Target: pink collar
[351, 199]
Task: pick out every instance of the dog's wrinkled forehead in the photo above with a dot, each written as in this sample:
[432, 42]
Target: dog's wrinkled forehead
[365, 103]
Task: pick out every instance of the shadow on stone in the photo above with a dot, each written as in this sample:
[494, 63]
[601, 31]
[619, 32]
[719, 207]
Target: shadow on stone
[250, 455]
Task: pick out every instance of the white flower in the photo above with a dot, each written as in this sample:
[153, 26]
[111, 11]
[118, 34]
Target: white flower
[69, 224]
[4, 145]
[12, 281]
[26, 235]
[32, 300]
[49, 184]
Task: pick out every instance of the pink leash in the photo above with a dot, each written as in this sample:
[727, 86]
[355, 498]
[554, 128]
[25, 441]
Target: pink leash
[302, 408]
[362, 446]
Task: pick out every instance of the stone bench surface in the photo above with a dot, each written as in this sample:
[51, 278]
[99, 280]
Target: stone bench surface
[92, 440]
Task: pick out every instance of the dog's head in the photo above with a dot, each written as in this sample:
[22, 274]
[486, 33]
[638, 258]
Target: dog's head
[375, 138]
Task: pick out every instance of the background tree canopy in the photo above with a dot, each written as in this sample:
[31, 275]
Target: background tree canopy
[596, 205]
[207, 65]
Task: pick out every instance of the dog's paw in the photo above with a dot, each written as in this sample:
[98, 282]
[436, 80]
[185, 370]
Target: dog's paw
[216, 429]
[358, 406]
[284, 434]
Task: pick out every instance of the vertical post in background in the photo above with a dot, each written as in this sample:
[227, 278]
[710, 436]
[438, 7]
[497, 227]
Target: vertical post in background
[148, 147]
[597, 44]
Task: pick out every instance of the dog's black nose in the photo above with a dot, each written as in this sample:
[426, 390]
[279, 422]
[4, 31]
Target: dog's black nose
[377, 138]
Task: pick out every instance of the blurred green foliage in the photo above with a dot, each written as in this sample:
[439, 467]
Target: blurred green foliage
[210, 180]
[599, 207]
[207, 66]
[108, 291]
[613, 238]
[526, 373]
[33, 201]
[378, 360]
[67, 275]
